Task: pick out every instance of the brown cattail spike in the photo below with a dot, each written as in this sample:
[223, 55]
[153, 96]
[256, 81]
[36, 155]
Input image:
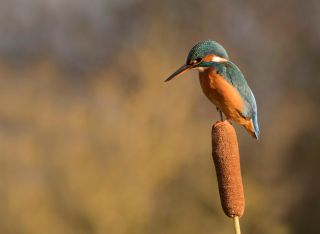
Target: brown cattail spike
[225, 153]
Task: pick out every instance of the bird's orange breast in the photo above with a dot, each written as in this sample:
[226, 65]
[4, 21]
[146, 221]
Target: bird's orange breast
[221, 93]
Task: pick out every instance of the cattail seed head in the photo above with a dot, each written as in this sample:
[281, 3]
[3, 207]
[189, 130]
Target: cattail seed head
[225, 153]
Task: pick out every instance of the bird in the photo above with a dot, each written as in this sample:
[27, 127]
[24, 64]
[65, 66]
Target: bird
[223, 84]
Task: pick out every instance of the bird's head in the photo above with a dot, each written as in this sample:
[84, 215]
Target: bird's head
[203, 55]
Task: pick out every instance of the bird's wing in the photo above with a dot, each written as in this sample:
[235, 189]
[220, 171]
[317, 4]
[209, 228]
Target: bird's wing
[234, 76]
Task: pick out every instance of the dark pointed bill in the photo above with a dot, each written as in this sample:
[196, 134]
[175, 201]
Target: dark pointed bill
[180, 71]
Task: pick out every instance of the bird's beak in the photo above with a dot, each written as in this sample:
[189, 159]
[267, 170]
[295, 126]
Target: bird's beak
[180, 71]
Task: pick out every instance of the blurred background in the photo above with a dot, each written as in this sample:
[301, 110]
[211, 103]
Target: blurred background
[93, 141]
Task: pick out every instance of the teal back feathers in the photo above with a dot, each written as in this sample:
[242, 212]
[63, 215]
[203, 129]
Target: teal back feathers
[234, 76]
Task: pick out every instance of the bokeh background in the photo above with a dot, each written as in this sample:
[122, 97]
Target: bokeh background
[93, 141]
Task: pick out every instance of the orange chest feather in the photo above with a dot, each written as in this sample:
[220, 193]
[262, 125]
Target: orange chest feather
[221, 92]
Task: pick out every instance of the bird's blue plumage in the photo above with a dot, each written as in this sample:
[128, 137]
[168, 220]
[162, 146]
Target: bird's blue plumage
[206, 47]
[234, 76]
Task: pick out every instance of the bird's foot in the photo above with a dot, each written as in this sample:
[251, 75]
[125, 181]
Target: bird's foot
[221, 116]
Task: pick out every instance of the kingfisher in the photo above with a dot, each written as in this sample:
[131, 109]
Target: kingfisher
[223, 84]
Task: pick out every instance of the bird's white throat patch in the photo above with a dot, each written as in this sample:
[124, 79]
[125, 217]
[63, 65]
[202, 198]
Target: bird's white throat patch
[218, 59]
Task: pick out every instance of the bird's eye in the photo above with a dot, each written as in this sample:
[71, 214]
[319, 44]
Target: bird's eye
[198, 60]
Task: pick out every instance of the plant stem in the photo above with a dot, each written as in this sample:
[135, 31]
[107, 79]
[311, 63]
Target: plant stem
[236, 225]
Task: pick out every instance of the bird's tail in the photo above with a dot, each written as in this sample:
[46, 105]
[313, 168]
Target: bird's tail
[256, 126]
[253, 127]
